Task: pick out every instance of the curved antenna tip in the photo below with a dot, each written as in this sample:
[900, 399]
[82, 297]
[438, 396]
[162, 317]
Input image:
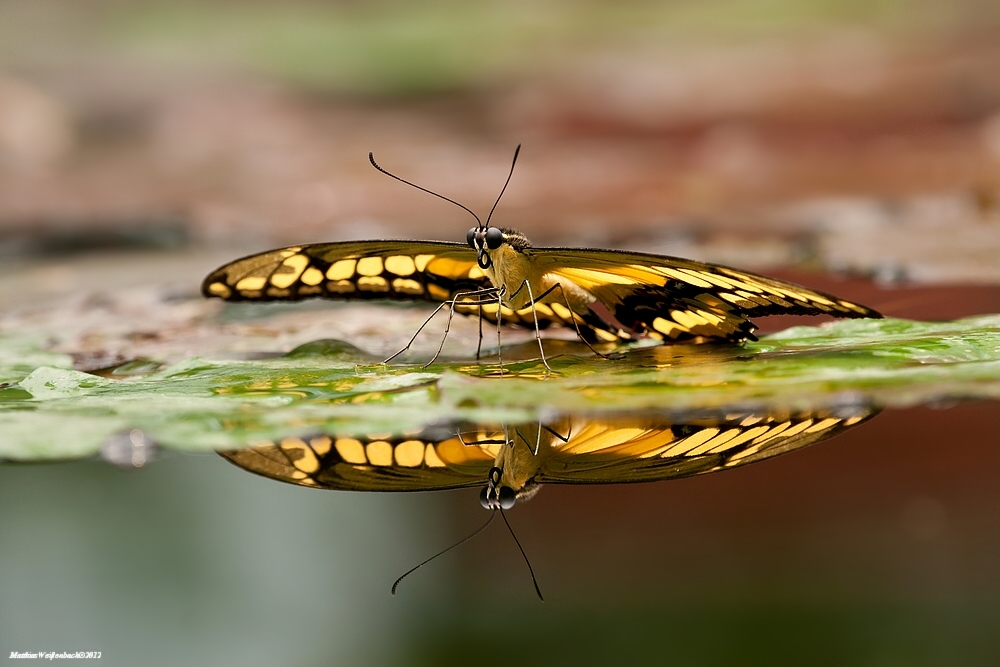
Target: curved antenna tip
[441, 553]
[506, 183]
[531, 571]
[371, 158]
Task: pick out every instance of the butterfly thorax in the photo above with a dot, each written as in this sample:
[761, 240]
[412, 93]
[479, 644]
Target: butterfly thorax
[520, 463]
[508, 265]
[511, 268]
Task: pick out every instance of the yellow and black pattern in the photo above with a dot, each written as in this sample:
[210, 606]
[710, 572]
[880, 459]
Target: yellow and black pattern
[376, 462]
[601, 453]
[405, 270]
[674, 299]
[396, 270]
[617, 296]
[569, 451]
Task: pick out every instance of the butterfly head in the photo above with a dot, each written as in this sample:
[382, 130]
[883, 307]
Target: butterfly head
[494, 496]
[489, 241]
[482, 240]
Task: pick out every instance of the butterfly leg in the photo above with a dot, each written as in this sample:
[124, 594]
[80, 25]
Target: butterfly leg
[538, 440]
[479, 347]
[476, 443]
[538, 437]
[480, 293]
[415, 334]
[576, 325]
[427, 321]
[500, 295]
[569, 434]
[534, 314]
[444, 336]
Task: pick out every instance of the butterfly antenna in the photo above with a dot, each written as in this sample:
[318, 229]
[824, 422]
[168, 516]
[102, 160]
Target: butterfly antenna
[457, 544]
[512, 163]
[527, 562]
[371, 158]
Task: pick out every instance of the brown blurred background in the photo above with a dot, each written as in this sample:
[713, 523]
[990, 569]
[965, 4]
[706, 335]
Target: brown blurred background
[853, 146]
[865, 136]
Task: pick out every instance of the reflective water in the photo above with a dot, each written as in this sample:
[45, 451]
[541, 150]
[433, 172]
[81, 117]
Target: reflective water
[881, 544]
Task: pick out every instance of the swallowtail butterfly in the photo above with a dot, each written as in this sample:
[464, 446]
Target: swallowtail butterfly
[606, 296]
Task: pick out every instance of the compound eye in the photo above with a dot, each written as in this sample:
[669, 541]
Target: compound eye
[484, 498]
[494, 237]
[470, 238]
[507, 497]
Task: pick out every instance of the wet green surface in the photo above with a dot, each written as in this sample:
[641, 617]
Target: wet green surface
[49, 411]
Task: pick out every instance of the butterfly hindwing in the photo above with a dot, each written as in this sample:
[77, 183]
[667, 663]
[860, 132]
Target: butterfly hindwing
[676, 299]
[614, 452]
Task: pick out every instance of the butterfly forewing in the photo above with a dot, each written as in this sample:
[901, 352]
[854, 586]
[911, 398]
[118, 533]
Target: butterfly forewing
[397, 270]
[407, 270]
[370, 463]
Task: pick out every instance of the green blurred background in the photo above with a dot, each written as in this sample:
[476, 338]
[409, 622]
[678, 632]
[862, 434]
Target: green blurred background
[854, 146]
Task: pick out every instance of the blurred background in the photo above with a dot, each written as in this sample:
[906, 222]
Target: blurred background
[851, 145]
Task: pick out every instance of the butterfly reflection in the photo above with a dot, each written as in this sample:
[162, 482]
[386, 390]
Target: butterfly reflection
[510, 462]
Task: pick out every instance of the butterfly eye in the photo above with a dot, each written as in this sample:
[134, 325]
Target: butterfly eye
[470, 238]
[507, 497]
[494, 237]
[484, 497]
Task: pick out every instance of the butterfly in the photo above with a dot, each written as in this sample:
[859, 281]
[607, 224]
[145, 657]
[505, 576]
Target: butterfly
[511, 462]
[606, 296]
